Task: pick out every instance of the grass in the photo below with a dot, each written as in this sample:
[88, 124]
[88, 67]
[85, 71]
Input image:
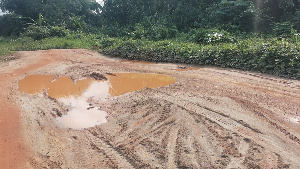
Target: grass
[7, 45]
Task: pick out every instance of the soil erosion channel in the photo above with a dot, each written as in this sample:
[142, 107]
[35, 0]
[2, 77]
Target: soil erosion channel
[80, 109]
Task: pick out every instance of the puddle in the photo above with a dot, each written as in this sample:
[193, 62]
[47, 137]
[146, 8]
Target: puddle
[64, 87]
[78, 95]
[122, 83]
[135, 61]
[56, 88]
[34, 84]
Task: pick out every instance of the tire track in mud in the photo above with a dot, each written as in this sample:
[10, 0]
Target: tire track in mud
[260, 111]
[236, 126]
[204, 120]
[195, 138]
[289, 83]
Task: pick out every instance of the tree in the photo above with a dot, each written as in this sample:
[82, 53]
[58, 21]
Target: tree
[55, 12]
[239, 13]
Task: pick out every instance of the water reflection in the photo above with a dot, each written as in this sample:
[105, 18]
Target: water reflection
[81, 115]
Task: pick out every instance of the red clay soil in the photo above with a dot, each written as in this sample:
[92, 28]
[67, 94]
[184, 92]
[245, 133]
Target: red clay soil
[13, 152]
[209, 118]
[12, 149]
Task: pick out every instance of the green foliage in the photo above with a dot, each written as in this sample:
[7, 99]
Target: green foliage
[210, 36]
[11, 25]
[238, 13]
[76, 23]
[282, 28]
[277, 56]
[72, 13]
[42, 32]
[5, 46]
[68, 42]
[153, 32]
[273, 56]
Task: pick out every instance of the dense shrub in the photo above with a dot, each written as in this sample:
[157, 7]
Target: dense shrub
[210, 36]
[153, 32]
[282, 28]
[42, 32]
[273, 56]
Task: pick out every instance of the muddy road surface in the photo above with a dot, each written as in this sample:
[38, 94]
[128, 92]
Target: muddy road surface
[79, 109]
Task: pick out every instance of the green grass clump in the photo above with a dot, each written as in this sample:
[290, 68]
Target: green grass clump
[5, 46]
[71, 41]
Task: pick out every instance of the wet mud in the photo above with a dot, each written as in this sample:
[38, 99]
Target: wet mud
[76, 94]
[206, 118]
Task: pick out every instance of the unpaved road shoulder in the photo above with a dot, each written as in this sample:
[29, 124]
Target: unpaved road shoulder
[209, 118]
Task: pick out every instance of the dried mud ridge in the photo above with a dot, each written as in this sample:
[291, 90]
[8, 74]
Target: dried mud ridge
[210, 118]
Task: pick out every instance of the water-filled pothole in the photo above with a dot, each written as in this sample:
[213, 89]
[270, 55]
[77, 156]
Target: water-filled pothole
[121, 83]
[81, 115]
[78, 95]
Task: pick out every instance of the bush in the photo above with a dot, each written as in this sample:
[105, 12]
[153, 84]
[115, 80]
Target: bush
[282, 28]
[42, 32]
[273, 56]
[210, 36]
[154, 32]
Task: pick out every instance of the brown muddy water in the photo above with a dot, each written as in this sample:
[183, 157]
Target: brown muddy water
[122, 83]
[76, 94]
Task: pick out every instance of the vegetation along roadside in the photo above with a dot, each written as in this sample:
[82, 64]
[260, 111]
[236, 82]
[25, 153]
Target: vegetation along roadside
[241, 34]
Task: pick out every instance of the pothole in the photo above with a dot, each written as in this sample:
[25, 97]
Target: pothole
[78, 95]
[122, 83]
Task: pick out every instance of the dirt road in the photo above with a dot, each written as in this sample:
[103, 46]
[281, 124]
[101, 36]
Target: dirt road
[208, 118]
